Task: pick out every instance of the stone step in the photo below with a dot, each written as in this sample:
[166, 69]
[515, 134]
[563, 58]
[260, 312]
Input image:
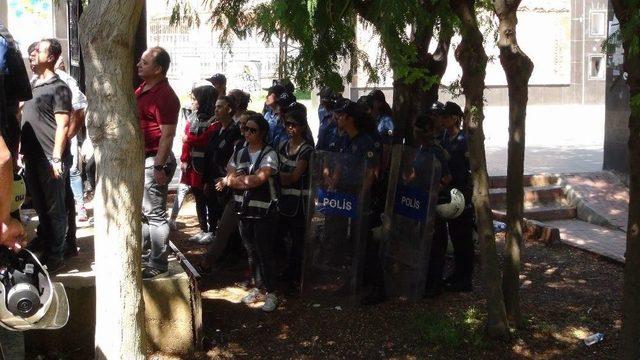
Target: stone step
[528, 180]
[534, 230]
[550, 194]
[545, 212]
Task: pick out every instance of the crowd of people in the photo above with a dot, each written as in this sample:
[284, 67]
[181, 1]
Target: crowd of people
[249, 172]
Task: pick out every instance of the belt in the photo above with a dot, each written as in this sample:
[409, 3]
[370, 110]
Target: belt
[150, 153]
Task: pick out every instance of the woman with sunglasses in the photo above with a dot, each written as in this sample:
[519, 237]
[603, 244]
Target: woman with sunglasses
[295, 153]
[227, 243]
[201, 126]
[252, 174]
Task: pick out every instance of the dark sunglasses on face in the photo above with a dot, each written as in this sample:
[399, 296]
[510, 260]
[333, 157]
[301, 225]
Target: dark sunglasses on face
[250, 129]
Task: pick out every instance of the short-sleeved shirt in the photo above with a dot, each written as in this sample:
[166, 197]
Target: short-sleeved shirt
[50, 97]
[269, 159]
[361, 146]
[277, 132]
[156, 106]
[385, 129]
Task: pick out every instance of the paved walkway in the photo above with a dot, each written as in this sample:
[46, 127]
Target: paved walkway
[600, 240]
[601, 193]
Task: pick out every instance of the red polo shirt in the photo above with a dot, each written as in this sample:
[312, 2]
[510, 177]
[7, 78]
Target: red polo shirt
[156, 106]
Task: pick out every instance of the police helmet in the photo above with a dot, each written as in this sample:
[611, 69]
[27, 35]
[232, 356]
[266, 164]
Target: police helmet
[28, 298]
[451, 205]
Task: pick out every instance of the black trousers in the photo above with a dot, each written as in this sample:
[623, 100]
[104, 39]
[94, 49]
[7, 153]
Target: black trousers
[49, 200]
[71, 243]
[461, 233]
[208, 210]
[438, 252]
[294, 228]
[257, 236]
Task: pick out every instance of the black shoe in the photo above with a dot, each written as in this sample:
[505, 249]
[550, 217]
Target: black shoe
[54, 266]
[70, 251]
[152, 273]
[459, 286]
[376, 296]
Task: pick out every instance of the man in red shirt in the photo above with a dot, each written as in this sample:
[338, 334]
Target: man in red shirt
[158, 108]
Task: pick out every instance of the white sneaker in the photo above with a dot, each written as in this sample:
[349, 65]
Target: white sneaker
[270, 303]
[197, 237]
[172, 225]
[253, 296]
[206, 238]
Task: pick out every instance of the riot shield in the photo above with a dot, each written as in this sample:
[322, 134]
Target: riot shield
[334, 247]
[408, 222]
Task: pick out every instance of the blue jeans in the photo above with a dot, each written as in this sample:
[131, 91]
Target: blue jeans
[75, 175]
[155, 227]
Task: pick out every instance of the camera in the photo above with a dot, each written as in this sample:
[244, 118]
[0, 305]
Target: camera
[28, 298]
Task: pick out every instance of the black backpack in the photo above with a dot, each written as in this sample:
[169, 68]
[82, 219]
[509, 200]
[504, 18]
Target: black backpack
[16, 81]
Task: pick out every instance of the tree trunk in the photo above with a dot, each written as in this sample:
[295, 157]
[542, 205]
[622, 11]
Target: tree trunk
[473, 60]
[107, 36]
[416, 97]
[629, 17]
[518, 68]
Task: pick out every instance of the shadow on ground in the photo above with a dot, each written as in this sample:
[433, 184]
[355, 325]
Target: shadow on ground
[566, 295]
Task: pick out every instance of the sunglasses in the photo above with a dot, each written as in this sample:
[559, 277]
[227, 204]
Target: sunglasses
[290, 124]
[250, 129]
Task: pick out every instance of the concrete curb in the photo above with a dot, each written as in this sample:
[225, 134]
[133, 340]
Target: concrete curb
[584, 211]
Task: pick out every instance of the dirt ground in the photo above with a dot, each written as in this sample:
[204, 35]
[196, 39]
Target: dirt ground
[566, 295]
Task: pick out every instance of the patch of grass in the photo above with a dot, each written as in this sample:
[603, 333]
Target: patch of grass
[452, 329]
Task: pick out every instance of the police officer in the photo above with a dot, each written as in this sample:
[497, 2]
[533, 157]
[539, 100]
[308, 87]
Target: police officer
[356, 125]
[425, 130]
[270, 112]
[461, 227]
[252, 174]
[327, 127]
[295, 154]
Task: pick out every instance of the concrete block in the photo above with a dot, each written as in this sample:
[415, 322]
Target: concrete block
[172, 313]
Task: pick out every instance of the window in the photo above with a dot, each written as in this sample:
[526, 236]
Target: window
[597, 23]
[596, 67]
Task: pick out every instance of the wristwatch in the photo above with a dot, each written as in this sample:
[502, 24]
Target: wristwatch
[55, 160]
[159, 167]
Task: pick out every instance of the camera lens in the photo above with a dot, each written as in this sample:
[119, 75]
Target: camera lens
[25, 306]
[23, 300]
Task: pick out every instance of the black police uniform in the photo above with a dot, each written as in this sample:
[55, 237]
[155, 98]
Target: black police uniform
[364, 146]
[292, 208]
[461, 228]
[439, 244]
